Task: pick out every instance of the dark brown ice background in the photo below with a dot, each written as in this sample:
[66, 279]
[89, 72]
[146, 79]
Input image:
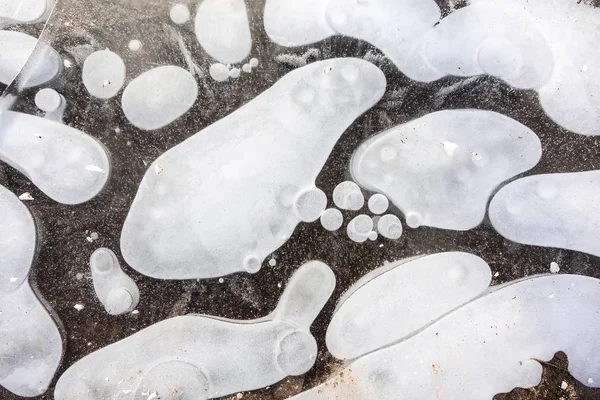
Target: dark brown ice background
[81, 26]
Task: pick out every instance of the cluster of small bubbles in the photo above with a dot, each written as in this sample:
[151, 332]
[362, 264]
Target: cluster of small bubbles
[554, 268]
[221, 72]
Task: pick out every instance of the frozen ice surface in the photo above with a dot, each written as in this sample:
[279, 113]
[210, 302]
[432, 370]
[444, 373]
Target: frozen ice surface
[552, 210]
[440, 169]
[63, 162]
[207, 357]
[103, 74]
[233, 193]
[223, 30]
[493, 339]
[348, 196]
[174, 91]
[115, 290]
[31, 343]
[16, 49]
[396, 300]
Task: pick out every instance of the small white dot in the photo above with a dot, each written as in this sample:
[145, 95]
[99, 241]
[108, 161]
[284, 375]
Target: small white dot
[179, 14]
[135, 45]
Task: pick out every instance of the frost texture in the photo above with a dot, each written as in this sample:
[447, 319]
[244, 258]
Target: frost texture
[207, 357]
[440, 169]
[63, 162]
[31, 344]
[396, 300]
[553, 210]
[115, 290]
[510, 324]
[225, 198]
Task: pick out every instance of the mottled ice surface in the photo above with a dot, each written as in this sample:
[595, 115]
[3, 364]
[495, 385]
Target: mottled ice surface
[440, 169]
[66, 164]
[117, 292]
[223, 30]
[397, 299]
[17, 49]
[553, 210]
[31, 346]
[207, 357]
[485, 347]
[224, 199]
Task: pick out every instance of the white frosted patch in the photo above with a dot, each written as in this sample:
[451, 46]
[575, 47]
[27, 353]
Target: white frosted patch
[55, 157]
[378, 204]
[554, 268]
[552, 210]
[16, 49]
[103, 74]
[389, 226]
[440, 169]
[31, 344]
[117, 292]
[348, 196]
[22, 11]
[219, 72]
[234, 73]
[223, 30]
[246, 68]
[359, 228]
[309, 204]
[396, 300]
[226, 197]
[48, 100]
[174, 91]
[134, 45]
[208, 357]
[512, 325]
[332, 219]
[180, 13]
[296, 22]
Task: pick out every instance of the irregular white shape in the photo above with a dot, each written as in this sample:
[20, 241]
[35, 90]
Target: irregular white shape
[554, 268]
[26, 197]
[413, 167]
[115, 290]
[348, 196]
[484, 38]
[552, 210]
[17, 52]
[53, 156]
[48, 100]
[227, 193]
[512, 325]
[134, 45]
[332, 219]
[208, 357]
[223, 30]
[31, 344]
[378, 203]
[174, 91]
[359, 228]
[219, 72]
[309, 204]
[180, 13]
[394, 26]
[396, 300]
[22, 11]
[103, 74]
[390, 227]
[296, 22]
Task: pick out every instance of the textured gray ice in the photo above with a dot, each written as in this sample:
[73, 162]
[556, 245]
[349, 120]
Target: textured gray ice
[174, 91]
[207, 357]
[553, 210]
[512, 325]
[31, 343]
[227, 197]
[397, 299]
[440, 169]
[66, 164]
[117, 292]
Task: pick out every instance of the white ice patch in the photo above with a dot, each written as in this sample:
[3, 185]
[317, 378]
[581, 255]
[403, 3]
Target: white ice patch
[512, 325]
[48, 100]
[16, 49]
[396, 300]
[208, 357]
[410, 164]
[348, 196]
[53, 156]
[115, 290]
[389, 226]
[179, 14]
[223, 30]
[103, 74]
[552, 210]
[378, 204]
[22, 11]
[233, 193]
[31, 344]
[332, 219]
[174, 91]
